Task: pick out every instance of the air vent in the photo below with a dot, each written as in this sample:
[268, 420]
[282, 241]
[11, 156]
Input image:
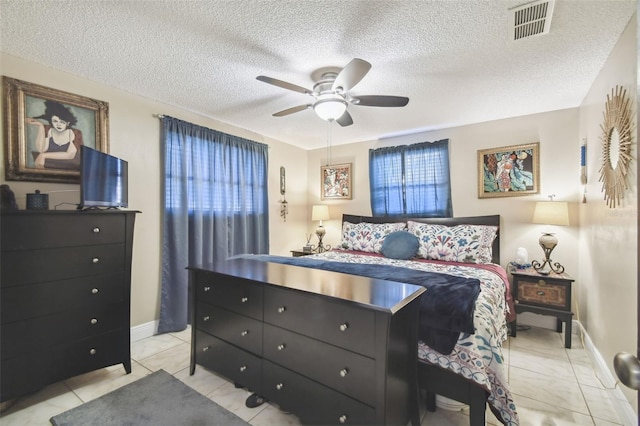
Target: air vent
[531, 19]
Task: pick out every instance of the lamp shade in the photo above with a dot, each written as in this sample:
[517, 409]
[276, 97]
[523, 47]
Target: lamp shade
[320, 213]
[330, 108]
[551, 213]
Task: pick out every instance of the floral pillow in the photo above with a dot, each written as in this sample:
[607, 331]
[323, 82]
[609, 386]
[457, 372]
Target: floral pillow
[367, 237]
[462, 243]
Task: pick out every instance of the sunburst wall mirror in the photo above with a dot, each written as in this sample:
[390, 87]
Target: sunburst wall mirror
[616, 146]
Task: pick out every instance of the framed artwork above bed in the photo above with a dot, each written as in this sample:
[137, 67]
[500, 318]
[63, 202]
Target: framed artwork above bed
[335, 182]
[509, 171]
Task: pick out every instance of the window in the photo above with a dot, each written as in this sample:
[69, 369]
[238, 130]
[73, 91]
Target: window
[208, 175]
[411, 180]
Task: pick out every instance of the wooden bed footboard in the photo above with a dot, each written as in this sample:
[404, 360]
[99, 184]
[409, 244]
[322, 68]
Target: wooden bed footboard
[436, 380]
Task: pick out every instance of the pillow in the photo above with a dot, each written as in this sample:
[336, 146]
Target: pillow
[367, 237]
[461, 243]
[400, 245]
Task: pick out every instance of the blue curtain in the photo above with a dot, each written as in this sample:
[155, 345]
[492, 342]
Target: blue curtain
[411, 180]
[215, 206]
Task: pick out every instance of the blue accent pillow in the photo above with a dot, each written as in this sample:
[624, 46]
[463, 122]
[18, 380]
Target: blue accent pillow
[400, 245]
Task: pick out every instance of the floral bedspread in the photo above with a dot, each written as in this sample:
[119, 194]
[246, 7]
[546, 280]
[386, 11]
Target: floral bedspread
[477, 357]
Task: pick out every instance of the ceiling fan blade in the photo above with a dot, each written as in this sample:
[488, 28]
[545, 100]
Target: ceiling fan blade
[380, 101]
[291, 110]
[351, 74]
[284, 84]
[345, 119]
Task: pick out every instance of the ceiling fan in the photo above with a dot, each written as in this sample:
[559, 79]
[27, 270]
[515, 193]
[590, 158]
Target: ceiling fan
[330, 93]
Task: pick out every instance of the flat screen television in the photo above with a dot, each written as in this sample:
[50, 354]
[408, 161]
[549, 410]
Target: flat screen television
[103, 180]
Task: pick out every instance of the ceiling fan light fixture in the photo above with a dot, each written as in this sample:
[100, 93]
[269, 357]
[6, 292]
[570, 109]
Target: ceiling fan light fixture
[330, 108]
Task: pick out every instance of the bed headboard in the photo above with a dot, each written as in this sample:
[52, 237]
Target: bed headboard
[493, 220]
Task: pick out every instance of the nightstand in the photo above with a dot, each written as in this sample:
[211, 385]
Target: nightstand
[544, 295]
[298, 253]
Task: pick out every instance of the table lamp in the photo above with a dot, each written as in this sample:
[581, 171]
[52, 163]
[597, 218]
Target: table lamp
[320, 213]
[550, 213]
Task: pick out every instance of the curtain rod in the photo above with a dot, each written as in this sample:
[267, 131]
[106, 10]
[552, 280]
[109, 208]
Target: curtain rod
[158, 115]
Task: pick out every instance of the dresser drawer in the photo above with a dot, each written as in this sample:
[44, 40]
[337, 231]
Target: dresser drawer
[312, 402]
[349, 327]
[25, 374]
[232, 362]
[542, 292]
[59, 264]
[39, 333]
[234, 328]
[90, 354]
[241, 297]
[36, 300]
[32, 231]
[340, 369]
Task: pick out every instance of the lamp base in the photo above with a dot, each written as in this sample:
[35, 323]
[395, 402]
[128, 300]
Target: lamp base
[548, 242]
[321, 247]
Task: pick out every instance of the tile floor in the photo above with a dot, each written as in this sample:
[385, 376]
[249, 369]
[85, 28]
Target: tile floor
[551, 385]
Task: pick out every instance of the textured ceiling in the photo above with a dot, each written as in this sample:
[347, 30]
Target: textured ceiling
[453, 59]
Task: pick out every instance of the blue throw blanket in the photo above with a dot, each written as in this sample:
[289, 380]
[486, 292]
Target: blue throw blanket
[446, 309]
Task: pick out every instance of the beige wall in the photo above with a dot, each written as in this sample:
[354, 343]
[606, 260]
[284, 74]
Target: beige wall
[608, 238]
[135, 136]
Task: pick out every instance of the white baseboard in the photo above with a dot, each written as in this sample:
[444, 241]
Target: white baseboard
[618, 399]
[143, 331]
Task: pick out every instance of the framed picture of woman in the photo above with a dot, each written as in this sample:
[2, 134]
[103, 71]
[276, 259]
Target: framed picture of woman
[45, 128]
[509, 171]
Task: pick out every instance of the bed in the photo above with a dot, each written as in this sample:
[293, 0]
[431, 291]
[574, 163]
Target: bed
[473, 373]
[463, 321]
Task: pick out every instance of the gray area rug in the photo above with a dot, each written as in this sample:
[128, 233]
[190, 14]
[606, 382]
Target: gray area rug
[158, 399]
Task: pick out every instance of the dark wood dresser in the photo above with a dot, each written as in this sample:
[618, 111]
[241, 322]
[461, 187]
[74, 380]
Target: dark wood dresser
[64, 294]
[332, 348]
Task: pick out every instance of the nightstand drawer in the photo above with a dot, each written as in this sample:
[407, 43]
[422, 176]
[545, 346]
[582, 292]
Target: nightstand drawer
[544, 293]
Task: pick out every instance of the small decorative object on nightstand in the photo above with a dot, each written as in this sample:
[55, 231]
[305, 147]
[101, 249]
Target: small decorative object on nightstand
[545, 295]
[298, 253]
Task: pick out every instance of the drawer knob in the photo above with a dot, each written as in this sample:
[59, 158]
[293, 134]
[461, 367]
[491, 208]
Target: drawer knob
[206, 348]
[542, 282]
[206, 318]
[281, 309]
[243, 368]
[244, 333]
[96, 230]
[281, 346]
[94, 321]
[540, 293]
[344, 327]
[344, 372]
[279, 386]
[95, 260]
[207, 288]
[342, 418]
[93, 351]
[244, 299]
[94, 291]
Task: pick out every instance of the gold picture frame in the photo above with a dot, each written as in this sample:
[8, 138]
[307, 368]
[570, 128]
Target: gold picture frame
[509, 171]
[44, 129]
[335, 182]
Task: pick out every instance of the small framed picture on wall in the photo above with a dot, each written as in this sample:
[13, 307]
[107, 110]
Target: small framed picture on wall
[335, 182]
